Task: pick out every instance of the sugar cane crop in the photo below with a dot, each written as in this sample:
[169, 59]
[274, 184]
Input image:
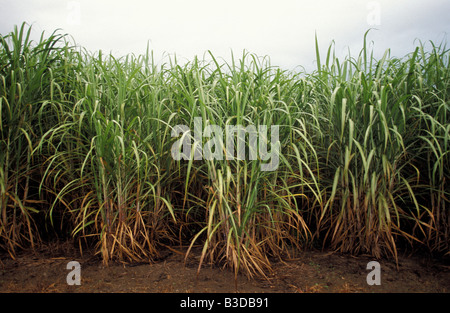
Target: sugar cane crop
[86, 152]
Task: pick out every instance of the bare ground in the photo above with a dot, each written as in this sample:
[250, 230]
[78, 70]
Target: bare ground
[44, 271]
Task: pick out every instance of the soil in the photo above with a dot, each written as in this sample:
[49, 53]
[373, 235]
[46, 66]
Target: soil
[44, 271]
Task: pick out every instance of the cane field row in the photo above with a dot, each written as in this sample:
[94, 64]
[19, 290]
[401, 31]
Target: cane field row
[86, 139]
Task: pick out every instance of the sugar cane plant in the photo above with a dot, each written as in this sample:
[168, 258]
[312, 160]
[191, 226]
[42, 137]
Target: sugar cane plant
[87, 143]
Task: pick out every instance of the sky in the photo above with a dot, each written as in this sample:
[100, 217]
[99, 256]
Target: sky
[282, 30]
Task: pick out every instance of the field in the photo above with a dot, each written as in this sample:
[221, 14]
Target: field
[311, 271]
[89, 145]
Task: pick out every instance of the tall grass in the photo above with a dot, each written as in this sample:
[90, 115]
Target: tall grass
[27, 79]
[86, 143]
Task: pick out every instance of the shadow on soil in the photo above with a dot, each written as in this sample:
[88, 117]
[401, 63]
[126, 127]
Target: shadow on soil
[44, 270]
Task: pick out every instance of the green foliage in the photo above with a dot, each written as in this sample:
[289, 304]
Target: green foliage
[86, 142]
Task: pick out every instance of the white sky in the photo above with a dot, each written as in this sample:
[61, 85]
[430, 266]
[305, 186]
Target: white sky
[284, 30]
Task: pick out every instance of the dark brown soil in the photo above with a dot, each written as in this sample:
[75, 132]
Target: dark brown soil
[311, 271]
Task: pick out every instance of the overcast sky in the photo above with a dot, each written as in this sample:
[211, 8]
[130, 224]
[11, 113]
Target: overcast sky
[284, 30]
